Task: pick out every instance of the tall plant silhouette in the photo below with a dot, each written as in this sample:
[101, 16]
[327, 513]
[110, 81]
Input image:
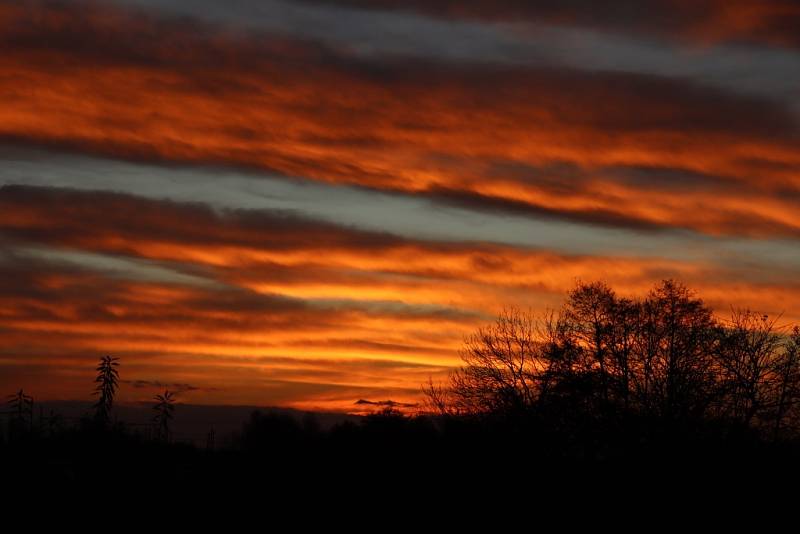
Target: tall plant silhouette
[107, 381]
[165, 405]
[21, 406]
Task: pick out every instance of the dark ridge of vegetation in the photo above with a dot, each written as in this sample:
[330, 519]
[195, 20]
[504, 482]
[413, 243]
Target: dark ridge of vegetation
[643, 387]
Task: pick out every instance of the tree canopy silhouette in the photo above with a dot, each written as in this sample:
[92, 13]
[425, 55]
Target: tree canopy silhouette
[665, 357]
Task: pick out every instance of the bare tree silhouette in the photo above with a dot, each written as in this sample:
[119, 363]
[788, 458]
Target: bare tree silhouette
[663, 357]
[748, 355]
[107, 381]
[502, 366]
[759, 365]
[438, 398]
[164, 407]
[787, 390]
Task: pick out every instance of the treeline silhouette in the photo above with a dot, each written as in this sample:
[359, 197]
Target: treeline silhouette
[664, 358]
[656, 382]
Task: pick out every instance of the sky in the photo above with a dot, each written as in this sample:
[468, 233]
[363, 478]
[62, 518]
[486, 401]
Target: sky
[305, 203]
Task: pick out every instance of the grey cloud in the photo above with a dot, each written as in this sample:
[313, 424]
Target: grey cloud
[175, 387]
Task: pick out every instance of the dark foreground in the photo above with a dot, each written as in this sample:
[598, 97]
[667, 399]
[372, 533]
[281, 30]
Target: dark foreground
[388, 452]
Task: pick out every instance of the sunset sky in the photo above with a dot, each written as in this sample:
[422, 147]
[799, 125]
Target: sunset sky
[309, 202]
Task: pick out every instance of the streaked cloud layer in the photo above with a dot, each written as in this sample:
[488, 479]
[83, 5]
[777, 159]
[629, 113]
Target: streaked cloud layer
[308, 203]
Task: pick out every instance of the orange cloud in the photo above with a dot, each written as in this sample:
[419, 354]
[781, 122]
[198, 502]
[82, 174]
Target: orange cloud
[337, 312]
[488, 137]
